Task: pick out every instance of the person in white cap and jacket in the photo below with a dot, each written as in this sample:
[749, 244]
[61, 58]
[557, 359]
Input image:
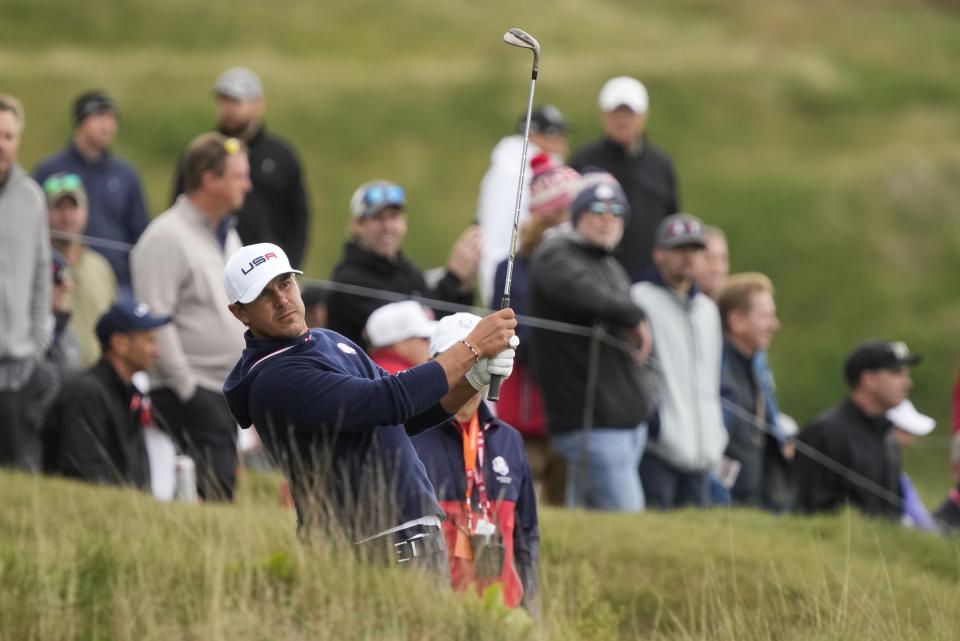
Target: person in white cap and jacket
[644, 170]
[337, 424]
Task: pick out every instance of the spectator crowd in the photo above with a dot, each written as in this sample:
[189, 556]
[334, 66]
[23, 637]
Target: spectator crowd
[641, 379]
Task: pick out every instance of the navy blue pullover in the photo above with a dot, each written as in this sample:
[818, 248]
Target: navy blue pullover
[337, 425]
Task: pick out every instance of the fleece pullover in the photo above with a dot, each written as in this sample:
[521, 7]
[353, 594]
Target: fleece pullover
[337, 424]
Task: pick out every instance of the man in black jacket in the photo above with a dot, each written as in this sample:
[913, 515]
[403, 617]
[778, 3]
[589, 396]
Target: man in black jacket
[276, 209]
[574, 278]
[95, 429]
[372, 258]
[643, 170]
[856, 435]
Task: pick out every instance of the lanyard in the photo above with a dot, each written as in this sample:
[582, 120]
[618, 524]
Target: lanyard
[473, 450]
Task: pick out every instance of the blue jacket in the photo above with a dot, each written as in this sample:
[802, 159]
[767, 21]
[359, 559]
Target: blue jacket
[334, 421]
[115, 201]
[509, 482]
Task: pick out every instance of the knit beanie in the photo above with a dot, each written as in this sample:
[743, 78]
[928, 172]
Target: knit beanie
[553, 186]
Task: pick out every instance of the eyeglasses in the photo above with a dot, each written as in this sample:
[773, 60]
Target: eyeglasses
[378, 194]
[62, 182]
[231, 146]
[599, 207]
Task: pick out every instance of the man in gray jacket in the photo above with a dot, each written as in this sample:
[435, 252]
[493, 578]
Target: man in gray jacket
[687, 435]
[25, 319]
[177, 271]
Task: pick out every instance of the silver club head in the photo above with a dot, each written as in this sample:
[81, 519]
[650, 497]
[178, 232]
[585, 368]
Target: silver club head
[520, 38]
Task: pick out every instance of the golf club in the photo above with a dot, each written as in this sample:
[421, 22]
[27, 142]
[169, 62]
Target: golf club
[517, 38]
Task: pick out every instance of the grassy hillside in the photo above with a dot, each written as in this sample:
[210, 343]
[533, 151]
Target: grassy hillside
[78, 562]
[824, 136]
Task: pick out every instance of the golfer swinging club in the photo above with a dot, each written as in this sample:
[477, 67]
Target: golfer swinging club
[336, 423]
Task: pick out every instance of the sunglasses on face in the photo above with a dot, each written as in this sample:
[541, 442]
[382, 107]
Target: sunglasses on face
[601, 208]
[393, 194]
[62, 182]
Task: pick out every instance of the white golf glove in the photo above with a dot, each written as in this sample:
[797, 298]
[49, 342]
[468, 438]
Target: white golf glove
[502, 365]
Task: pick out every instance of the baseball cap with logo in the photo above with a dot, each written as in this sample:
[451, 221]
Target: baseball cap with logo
[624, 91]
[680, 230]
[397, 322]
[251, 268]
[372, 197]
[910, 420]
[878, 354]
[451, 329]
[127, 316]
[239, 83]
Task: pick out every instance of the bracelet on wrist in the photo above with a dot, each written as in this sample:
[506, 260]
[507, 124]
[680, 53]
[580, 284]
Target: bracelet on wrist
[476, 354]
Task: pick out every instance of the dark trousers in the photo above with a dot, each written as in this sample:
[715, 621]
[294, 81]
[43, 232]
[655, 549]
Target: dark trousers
[667, 488]
[16, 433]
[206, 431]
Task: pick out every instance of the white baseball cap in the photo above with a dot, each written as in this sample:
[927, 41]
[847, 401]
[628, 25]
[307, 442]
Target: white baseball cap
[397, 322]
[624, 90]
[251, 268]
[906, 417]
[451, 329]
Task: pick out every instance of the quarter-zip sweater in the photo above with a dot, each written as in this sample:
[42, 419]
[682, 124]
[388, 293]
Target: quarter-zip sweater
[337, 425]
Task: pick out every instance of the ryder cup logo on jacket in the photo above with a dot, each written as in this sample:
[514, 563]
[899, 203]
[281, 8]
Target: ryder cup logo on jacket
[259, 260]
[501, 468]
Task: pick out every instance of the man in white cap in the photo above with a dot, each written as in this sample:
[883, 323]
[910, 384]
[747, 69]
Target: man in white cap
[176, 266]
[336, 423]
[399, 335]
[643, 170]
[277, 208]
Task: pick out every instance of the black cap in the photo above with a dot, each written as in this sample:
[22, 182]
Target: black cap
[127, 316]
[679, 230]
[877, 354]
[546, 120]
[90, 103]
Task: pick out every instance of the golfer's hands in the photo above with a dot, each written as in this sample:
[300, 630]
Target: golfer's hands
[492, 334]
[500, 365]
[465, 256]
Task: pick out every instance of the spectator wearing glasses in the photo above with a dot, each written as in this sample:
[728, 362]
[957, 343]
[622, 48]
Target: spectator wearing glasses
[856, 434]
[95, 284]
[373, 258]
[177, 271]
[276, 210]
[687, 435]
[593, 422]
[117, 210]
[25, 325]
[643, 169]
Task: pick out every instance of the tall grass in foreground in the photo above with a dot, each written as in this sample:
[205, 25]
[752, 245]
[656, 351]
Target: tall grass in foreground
[78, 562]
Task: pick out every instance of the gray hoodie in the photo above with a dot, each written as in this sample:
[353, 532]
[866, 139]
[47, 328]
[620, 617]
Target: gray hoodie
[25, 318]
